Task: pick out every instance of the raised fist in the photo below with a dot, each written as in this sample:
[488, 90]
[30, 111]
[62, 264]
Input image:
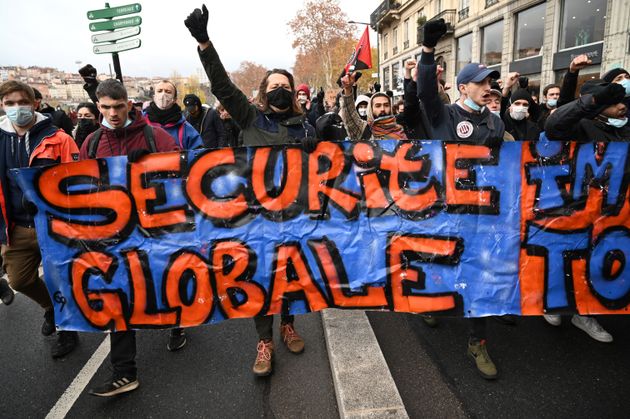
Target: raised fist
[197, 24]
[433, 31]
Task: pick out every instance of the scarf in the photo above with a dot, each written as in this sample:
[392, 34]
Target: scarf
[386, 127]
[171, 115]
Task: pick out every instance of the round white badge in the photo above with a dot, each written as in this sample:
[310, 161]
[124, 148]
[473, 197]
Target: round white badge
[464, 129]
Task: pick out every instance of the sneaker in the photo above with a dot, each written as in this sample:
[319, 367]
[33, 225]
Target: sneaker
[592, 327]
[66, 342]
[48, 327]
[114, 386]
[264, 359]
[293, 341]
[478, 351]
[429, 320]
[553, 319]
[6, 293]
[177, 340]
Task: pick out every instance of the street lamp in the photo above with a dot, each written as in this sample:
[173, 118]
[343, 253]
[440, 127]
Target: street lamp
[378, 53]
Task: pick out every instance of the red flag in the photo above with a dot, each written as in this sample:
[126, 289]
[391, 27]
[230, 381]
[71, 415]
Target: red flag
[361, 58]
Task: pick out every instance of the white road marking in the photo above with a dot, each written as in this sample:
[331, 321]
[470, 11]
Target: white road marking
[72, 393]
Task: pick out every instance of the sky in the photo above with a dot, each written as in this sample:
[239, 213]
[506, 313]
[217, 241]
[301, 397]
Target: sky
[56, 34]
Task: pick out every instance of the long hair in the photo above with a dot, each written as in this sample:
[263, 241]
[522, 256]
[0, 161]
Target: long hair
[261, 99]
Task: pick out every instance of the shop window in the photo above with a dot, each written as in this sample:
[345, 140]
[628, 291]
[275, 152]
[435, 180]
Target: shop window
[583, 22]
[530, 31]
[492, 44]
[464, 51]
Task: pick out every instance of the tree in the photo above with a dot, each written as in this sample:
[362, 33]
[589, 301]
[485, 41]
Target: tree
[317, 28]
[248, 77]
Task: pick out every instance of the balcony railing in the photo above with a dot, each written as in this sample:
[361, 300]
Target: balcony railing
[462, 14]
[381, 11]
[449, 17]
[491, 2]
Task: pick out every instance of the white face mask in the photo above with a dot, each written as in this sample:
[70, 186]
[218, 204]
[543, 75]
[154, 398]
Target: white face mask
[163, 100]
[362, 111]
[518, 113]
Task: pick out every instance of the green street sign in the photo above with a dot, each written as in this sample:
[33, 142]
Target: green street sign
[114, 11]
[115, 24]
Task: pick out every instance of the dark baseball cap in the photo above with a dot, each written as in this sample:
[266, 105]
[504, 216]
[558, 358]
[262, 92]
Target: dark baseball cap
[475, 72]
[192, 100]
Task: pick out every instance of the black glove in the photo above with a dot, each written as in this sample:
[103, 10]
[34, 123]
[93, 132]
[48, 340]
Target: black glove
[523, 82]
[88, 73]
[135, 155]
[309, 144]
[377, 87]
[320, 95]
[197, 24]
[609, 95]
[433, 31]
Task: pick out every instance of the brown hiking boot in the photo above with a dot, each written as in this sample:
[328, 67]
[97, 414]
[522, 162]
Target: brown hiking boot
[291, 339]
[264, 358]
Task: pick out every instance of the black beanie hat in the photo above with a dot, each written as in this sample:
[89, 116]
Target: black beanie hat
[610, 75]
[191, 100]
[521, 94]
[593, 86]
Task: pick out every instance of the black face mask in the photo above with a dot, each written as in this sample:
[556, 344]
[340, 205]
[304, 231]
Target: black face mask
[280, 98]
[85, 123]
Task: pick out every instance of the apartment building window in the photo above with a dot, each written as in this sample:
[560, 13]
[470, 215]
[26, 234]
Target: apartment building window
[386, 80]
[396, 76]
[464, 51]
[462, 13]
[406, 34]
[395, 41]
[492, 43]
[583, 22]
[385, 45]
[530, 31]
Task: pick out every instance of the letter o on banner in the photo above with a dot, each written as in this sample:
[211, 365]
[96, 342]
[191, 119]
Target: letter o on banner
[196, 310]
[608, 273]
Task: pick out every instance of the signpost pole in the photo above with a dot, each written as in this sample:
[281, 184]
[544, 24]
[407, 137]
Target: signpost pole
[117, 69]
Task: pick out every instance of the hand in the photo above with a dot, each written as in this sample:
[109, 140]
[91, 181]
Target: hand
[610, 95]
[579, 63]
[88, 73]
[410, 64]
[511, 80]
[347, 82]
[309, 144]
[433, 31]
[197, 24]
[135, 155]
[320, 95]
[523, 82]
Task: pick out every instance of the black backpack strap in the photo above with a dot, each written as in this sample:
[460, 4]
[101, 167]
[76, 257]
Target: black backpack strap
[148, 135]
[93, 144]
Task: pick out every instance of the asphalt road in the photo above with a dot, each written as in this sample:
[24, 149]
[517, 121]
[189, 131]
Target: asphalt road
[545, 371]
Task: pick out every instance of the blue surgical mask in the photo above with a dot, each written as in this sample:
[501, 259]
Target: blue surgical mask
[108, 125]
[497, 113]
[20, 115]
[617, 123]
[552, 103]
[472, 105]
[626, 85]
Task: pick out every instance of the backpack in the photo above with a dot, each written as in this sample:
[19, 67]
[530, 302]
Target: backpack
[93, 145]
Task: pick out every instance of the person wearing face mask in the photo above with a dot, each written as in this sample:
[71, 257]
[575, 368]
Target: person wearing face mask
[622, 77]
[599, 114]
[275, 118]
[206, 121]
[164, 112]
[467, 119]
[87, 122]
[517, 120]
[380, 122]
[551, 95]
[361, 103]
[28, 138]
[303, 94]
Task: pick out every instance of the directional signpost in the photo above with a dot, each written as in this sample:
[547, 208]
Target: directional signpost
[107, 42]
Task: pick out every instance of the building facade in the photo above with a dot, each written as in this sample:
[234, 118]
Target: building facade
[537, 39]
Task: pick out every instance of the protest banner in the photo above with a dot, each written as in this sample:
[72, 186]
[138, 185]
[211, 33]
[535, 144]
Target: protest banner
[460, 229]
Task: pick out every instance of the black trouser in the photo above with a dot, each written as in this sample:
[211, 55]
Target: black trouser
[478, 328]
[264, 325]
[123, 353]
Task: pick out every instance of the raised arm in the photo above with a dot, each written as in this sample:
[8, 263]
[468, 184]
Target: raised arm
[427, 82]
[355, 126]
